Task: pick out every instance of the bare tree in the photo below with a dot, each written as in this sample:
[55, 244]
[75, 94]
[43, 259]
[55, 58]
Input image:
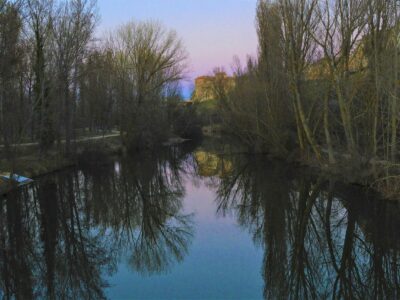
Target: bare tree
[274, 107]
[10, 58]
[395, 91]
[341, 24]
[73, 28]
[147, 59]
[298, 24]
[39, 23]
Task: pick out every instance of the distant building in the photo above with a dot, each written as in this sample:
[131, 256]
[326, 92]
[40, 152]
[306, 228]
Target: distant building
[206, 86]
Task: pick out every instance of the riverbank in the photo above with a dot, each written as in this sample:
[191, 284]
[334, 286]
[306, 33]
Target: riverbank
[30, 163]
[380, 176]
[100, 151]
[91, 150]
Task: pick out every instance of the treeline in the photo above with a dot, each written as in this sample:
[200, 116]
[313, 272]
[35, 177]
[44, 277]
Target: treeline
[57, 81]
[325, 82]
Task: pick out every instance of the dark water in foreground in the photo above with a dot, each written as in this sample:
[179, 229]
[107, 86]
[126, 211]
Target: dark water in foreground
[194, 225]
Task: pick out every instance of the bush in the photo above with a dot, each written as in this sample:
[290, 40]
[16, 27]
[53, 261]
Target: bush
[186, 122]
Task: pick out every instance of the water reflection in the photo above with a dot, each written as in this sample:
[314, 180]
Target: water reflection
[48, 250]
[140, 205]
[320, 240]
[62, 235]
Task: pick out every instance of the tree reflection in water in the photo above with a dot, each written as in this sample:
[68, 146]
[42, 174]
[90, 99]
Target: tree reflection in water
[320, 240]
[62, 235]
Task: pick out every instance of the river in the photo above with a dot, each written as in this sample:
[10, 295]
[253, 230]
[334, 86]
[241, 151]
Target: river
[189, 223]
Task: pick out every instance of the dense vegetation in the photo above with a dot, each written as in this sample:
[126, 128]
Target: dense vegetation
[57, 81]
[325, 83]
[324, 86]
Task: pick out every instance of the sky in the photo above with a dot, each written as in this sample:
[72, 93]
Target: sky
[212, 31]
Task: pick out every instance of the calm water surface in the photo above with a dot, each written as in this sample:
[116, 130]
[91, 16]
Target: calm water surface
[192, 224]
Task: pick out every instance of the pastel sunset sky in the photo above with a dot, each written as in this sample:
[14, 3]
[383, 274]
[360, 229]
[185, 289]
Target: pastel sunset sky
[213, 31]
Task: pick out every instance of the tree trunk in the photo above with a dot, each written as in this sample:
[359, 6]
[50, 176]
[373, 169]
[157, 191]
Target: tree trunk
[395, 96]
[67, 107]
[326, 130]
[304, 124]
[345, 116]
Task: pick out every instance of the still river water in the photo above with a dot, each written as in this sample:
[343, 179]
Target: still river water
[188, 223]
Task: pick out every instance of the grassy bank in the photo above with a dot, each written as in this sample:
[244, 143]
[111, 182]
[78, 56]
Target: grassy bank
[30, 163]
